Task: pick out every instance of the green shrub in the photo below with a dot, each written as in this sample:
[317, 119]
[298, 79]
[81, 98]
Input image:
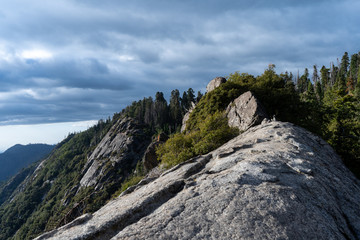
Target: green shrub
[212, 133]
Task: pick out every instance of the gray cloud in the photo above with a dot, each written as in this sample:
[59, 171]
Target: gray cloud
[81, 60]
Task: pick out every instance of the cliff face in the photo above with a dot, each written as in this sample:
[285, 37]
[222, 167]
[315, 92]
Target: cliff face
[121, 148]
[79, 176]
[274, 181]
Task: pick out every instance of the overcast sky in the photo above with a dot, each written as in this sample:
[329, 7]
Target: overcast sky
[69, 61]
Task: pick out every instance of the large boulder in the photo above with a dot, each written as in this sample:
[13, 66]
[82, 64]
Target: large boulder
[245, 112]
[216, 82]
[274, 181]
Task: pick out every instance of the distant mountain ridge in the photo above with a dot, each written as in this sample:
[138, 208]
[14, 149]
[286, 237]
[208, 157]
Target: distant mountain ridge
[20, 156]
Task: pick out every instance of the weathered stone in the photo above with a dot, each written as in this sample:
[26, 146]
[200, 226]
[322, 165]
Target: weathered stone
[274, 181]
[121, 148]
[187, 116]
[216, 82]
[245, 112]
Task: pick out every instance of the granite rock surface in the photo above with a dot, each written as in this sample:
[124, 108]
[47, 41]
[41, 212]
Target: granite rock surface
[216, 82]
[186, 117]
[121, 148]
[274, 181]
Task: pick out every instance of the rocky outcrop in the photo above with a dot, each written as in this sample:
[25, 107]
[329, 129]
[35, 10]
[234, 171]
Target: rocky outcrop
[150, 159]
[187, 116]
[274, 181]
[119, 151]
[245, 112]
[216, 82]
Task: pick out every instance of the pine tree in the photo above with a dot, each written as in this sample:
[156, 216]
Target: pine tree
[148, 106]
[303, 81]
[333, 73]
[190, 96]
[340, 83]
[324, 75]
[199, 96]
[352, 74]
[354, 66]
[187, 100]
[184, 103]
[310, 93]
[315, 76]
[344, 63]
[139, 110]
[160, 111]
[288, 79]
[319, 91]
[357, 84]
[175, 109]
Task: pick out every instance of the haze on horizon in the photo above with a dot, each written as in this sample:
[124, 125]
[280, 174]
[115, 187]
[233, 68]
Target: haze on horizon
[73, 61]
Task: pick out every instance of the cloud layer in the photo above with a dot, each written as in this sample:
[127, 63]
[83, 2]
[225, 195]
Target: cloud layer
[80, 60]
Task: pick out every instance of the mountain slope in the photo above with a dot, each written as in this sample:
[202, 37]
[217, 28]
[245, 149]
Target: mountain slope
[19, 156]
[275, 180]
[88, 169]
[81, 174]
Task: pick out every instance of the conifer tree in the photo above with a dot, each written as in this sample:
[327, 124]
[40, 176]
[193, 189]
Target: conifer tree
[303, 81]
[288, 79]
[344, 63]
[160, 112]
[175, 108]
[333, 73]
[319, 91]
[184, 103]
[352, 74]
[310, 93]
[148, 107]
[199, 96]
[324, 75]
[357, 85]
[340, 83]
[354, 66]
[190, 96]
[315, 76]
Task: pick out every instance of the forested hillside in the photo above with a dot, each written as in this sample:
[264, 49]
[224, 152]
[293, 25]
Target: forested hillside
[35, 205]
[160, 116]
[55, 192]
